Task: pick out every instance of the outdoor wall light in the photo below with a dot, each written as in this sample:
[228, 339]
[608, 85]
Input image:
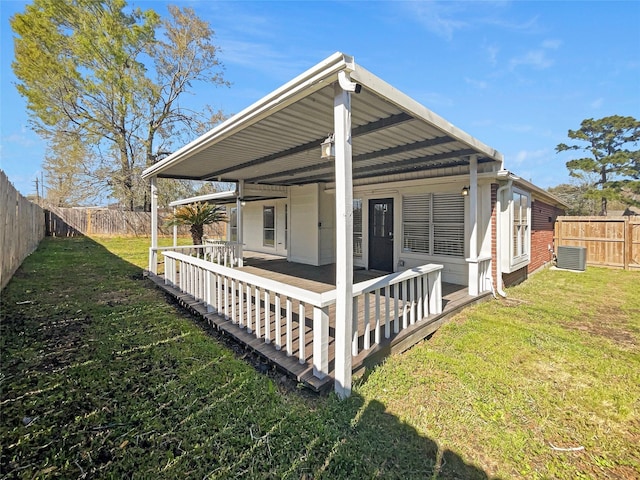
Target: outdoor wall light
[328, 148]
[465, 191]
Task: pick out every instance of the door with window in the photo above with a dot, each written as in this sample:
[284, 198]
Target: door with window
[381, 234]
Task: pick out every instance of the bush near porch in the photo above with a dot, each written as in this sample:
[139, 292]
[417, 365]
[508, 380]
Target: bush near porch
[102, 376]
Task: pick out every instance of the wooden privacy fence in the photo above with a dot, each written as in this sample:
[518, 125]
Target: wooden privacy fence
[70, 222]
[610, 241]
[22, 224]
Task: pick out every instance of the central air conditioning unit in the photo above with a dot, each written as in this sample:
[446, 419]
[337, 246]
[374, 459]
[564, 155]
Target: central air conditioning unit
[572, 258]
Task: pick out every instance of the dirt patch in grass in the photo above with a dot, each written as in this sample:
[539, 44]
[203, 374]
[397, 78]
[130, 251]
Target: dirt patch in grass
[608, 322]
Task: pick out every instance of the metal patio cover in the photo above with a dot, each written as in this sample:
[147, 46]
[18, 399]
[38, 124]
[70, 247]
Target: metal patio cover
[276, 141]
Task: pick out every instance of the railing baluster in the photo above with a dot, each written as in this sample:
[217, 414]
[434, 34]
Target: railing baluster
[412, 300]
[405, 319]
[234, 319]
[219, 294]
[367, 322]
[278, 318]
[419, 295]
[289, 333]
[249, 311]
[241, 304]
[302, 333]
[396, 308]
[267, 316]
[226, 297]
[209, 293]
[257, 307]
[377, 319]
[387, 312]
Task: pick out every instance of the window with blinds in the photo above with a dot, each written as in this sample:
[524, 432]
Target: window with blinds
[448, 224]
[433, 224]
[357, 228]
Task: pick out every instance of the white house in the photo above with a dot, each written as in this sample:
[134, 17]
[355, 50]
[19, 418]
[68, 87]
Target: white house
[338, 167]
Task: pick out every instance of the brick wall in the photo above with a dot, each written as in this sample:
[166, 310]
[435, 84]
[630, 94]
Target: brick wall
[543, 217]
[515, 278]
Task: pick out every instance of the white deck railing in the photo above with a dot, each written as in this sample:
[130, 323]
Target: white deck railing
[224, 253]
[290, 317]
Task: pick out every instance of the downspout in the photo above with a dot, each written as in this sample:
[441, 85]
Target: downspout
[499, 192]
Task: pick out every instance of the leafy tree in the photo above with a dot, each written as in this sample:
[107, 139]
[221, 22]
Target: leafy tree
[608, 142]
[576, 196]
[197, 215]
[71, 171]
[96, 69]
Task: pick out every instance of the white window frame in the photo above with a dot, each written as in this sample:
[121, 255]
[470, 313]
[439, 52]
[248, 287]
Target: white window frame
[270, 229]
[520, 225]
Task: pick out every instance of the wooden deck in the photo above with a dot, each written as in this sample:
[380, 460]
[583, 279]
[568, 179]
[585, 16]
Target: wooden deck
[319, 280]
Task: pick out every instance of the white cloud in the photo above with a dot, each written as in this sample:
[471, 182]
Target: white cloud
[262, 57]
[531, 156]
[597, 103]
[474, 82]
[537, 58]
[492, 53]
[430, 99]
[519, 128]
[552, 44]
[533, 58]
[440, 18]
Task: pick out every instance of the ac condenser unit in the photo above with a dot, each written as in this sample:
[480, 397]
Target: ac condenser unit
[572, 258]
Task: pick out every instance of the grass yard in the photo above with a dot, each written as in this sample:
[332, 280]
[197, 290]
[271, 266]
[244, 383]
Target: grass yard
[102, 376]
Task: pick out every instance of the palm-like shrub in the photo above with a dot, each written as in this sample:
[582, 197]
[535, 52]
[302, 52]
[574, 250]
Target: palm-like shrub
[197, 215]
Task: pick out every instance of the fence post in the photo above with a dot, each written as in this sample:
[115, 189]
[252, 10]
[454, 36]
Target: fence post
[628, 243]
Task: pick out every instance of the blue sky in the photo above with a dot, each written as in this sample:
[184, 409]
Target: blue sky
[516, 75]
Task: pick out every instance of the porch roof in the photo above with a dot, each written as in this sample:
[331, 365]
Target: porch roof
[276, 141]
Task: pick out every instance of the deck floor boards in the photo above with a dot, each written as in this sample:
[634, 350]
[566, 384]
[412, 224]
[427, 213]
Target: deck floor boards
[319, 280]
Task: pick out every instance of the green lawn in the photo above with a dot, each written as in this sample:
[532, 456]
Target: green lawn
[103, 376]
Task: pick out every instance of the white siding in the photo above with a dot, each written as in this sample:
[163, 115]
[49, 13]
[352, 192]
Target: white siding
[252, 220]
[304, 213]
[327, 229]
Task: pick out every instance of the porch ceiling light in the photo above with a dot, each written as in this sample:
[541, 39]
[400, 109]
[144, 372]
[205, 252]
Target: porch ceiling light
[465, 191]
[328, 148]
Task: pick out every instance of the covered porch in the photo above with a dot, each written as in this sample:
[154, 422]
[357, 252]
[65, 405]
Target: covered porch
[294, 329]
[333, 148]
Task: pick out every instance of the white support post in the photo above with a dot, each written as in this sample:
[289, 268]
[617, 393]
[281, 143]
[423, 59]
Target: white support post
[239, 222]
[175, 230]
[472, 261]
[344, 240]
[153, 264]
